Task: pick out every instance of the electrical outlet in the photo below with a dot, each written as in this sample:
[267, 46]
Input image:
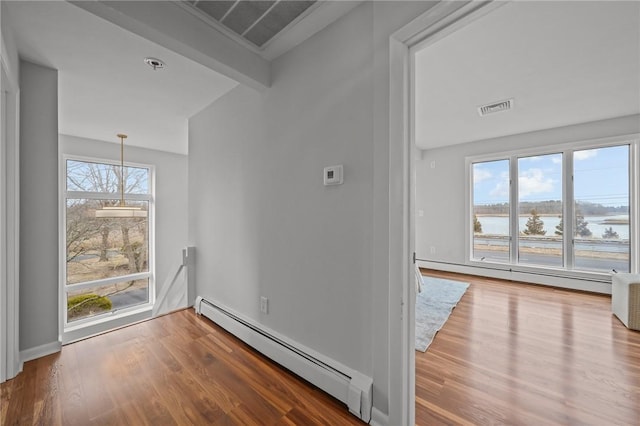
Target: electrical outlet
[264, 305]
[432, 250]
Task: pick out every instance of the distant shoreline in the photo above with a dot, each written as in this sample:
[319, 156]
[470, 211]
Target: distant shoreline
[611, 221]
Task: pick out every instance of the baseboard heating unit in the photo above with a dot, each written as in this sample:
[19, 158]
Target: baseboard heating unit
[347, 385]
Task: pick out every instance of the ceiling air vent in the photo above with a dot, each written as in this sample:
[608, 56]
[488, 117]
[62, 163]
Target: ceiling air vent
[495, 107]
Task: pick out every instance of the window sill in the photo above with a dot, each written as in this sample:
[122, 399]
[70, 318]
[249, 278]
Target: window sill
[595, 282]
[597, 276]
[104, 323]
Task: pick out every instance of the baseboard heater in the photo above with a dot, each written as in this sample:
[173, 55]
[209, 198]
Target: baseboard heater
[347, 385]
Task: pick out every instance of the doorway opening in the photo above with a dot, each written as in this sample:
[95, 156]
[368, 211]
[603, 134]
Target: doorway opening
[505, 128]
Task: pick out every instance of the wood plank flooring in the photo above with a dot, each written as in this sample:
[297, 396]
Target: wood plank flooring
[518, 354]
[176, 369]
[509, 354]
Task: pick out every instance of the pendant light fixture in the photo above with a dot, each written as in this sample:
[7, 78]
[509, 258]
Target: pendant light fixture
[121, 210]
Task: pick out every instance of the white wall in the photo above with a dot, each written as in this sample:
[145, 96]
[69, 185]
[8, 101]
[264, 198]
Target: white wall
[440, 191]
[38, 206]
[170, 197]
[263, 223]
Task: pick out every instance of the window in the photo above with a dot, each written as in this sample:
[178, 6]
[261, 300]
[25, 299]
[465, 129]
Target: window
[540, 210]
[107, 266]
[601, 208]
[491, 208]
[583, 189]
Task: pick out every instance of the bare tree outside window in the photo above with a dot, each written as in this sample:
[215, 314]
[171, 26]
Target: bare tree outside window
[104, 248]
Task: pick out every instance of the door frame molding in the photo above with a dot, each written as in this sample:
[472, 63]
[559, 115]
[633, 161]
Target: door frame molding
[437, 22]
[10, 361]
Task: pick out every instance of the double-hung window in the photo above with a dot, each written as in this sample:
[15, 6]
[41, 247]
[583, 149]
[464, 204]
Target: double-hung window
[569, 208]
[108, 261]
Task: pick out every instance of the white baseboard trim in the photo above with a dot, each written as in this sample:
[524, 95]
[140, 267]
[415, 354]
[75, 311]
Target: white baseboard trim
[570, 283]
[378, 418]
[39, 352]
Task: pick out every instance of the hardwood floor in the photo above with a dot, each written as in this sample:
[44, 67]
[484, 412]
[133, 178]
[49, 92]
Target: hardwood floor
[510, 354]
[176, 369]
[520, 354]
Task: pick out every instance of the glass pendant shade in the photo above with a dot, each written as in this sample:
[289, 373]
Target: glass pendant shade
[121, 211]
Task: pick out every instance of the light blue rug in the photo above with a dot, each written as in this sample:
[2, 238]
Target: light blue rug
[433, 307]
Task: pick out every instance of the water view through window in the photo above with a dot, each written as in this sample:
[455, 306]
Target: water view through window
[599, 233]
[601, 185]
[491, 235]
[539, 199]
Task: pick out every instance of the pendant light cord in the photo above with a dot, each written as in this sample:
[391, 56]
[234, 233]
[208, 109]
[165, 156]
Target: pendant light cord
[122, 138]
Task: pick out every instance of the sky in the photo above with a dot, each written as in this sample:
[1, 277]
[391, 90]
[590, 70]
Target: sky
[99, 177]
[600, 176]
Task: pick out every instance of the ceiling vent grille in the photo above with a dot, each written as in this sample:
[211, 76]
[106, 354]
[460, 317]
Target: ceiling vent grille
[495, 107]
[254, 21]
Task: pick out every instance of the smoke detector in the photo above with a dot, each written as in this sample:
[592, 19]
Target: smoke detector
[154, 63]
[495, 107]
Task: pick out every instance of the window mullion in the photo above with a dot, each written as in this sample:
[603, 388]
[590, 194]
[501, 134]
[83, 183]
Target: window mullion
[514, 224]
[106, 196]
[107, 281]
[568, 211]
[634, 212]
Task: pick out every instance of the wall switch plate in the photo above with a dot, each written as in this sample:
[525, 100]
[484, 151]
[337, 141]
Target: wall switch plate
[264, 305]
[333, 175]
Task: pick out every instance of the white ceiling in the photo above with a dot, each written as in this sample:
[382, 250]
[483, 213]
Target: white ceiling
[104, 86]
[562, 62]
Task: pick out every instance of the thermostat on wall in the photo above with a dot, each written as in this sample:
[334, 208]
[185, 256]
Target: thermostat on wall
[333, 175]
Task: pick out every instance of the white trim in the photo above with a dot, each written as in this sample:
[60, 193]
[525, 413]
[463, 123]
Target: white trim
[107, 195]
[568, 210]
[3, 230]
[634, 204]
[569, 283]
[12, 80]
[444, 15]
[105, 317]
[10, 169]
[401, 353]
[343, 383]
[204, 306]
[107, 281]
[444, 19]
[378, 418]
[40, 351]
[106, 322]
[109, 161]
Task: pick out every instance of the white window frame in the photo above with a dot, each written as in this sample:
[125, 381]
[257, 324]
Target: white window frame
[566, 149]
[81, 328]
